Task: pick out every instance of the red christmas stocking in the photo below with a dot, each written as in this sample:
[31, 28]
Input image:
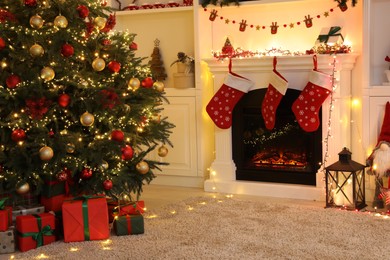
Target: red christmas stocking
[276, 90]
[221, 106]
[307, 105]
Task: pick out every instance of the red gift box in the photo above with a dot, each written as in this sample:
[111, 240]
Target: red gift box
[35, 230]
[53, 203]
[85, 218]
[5, 215]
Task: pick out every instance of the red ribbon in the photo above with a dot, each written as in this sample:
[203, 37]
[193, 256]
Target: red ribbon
[128, 220]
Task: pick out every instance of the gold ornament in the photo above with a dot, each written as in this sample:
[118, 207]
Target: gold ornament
[162, 151]
[99, 22]
[142, 167]
[70, 148]
[47, 74]
[159, 86]
[98, 64]
[87, 119]
[22, 187]
[134, 84]
[36, 22]
[127, 108]
[61, 21]
[36, 50]
[46, 153]
[103, 166]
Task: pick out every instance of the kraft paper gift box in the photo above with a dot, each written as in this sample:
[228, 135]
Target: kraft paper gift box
[7, 241]
[85, 218]
[26, 210]
[33, 231]
[5, 215]
[129, 225]
[331, 36]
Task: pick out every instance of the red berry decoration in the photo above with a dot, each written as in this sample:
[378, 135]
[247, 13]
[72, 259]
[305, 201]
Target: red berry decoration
[114, 66]
[2, 44]
[67, 50]
[62, 175]
[147, 82]
[107, 184]
[86, 173]
[133, 46]
[18, 135]
[83, 11]
[12, 81]
[64, 100]
[117, 135]
[127, 153]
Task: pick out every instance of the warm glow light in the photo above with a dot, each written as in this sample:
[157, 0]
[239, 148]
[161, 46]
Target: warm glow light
[152, 216]
[355, 102]
[173, 212]
[190, 208]
[73, 249]
[42, 256]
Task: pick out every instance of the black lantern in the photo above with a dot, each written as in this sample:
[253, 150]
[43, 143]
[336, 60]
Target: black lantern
[345, 183]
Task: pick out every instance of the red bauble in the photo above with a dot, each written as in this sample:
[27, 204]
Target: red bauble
[62, 175]
[30, 3]
[147, 82]
[83, 11]
[12, 81]
[86, 173]
[2, 44]
[106, 42]
[107, 184]
[117, 135]
[67, 50]
[127, 153]
[114, 66]
[133, 46]
[18, 135]
[64, 100]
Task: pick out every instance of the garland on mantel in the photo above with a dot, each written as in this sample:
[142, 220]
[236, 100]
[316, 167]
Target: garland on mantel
[221, 3]
[308, 21]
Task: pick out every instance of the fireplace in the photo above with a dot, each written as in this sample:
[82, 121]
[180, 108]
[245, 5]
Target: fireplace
[296, 70]
[285, 154]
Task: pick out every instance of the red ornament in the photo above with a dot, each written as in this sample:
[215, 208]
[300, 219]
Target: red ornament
[64, 100]
[106, 42]
[114, 66]
[107, 184]
[67, 50]
[86, 173]
[133, 46]
[83, 11]
[2, 44]
[62, 175]
[51, 133]
[117, 135]
[127, 153]
[147, 82]
[12, 81]
[30, 3]
[18, 135]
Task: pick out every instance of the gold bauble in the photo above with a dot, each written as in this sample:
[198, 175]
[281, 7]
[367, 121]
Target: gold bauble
[103, 166]
[98, 64]
[127, 108]
[142, 167]
[159, 86]
[46, 153]
[87, 119]
[99, 22]
[36, 22]
[162, 151]
[22, 187]
[47, 74]
[36, 50]
[61, 21]
[70, 148]
[134, 83]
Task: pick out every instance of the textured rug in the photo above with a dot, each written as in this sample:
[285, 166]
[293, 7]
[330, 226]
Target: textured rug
[232, 228]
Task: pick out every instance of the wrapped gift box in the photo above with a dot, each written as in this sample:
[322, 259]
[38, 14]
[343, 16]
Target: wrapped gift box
[331, 36]
[85, 218]
[7, 241]
[26, 210]
[129, 225]
[52, 187]
[5, 215]
[53, 203]
[133, 208]
[35, 230]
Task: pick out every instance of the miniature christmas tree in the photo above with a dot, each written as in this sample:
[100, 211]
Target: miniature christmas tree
[156, 64]
[76, 104]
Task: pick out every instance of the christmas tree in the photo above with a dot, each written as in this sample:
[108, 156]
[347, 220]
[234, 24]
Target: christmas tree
[76, 104]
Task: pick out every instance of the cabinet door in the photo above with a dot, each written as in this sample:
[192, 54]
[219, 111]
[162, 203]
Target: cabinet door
[182, 157]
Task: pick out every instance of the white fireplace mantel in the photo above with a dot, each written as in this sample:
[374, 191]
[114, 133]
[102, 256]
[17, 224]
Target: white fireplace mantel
[296, 70]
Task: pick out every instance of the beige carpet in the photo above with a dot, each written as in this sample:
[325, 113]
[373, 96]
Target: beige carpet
[232, 228]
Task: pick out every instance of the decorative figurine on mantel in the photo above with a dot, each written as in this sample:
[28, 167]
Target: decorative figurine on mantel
[184, 78]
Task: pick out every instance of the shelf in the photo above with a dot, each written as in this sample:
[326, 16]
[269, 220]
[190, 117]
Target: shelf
[155, 10]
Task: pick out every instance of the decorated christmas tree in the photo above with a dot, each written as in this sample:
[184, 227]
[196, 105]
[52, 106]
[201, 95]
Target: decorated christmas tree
[76, 104]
